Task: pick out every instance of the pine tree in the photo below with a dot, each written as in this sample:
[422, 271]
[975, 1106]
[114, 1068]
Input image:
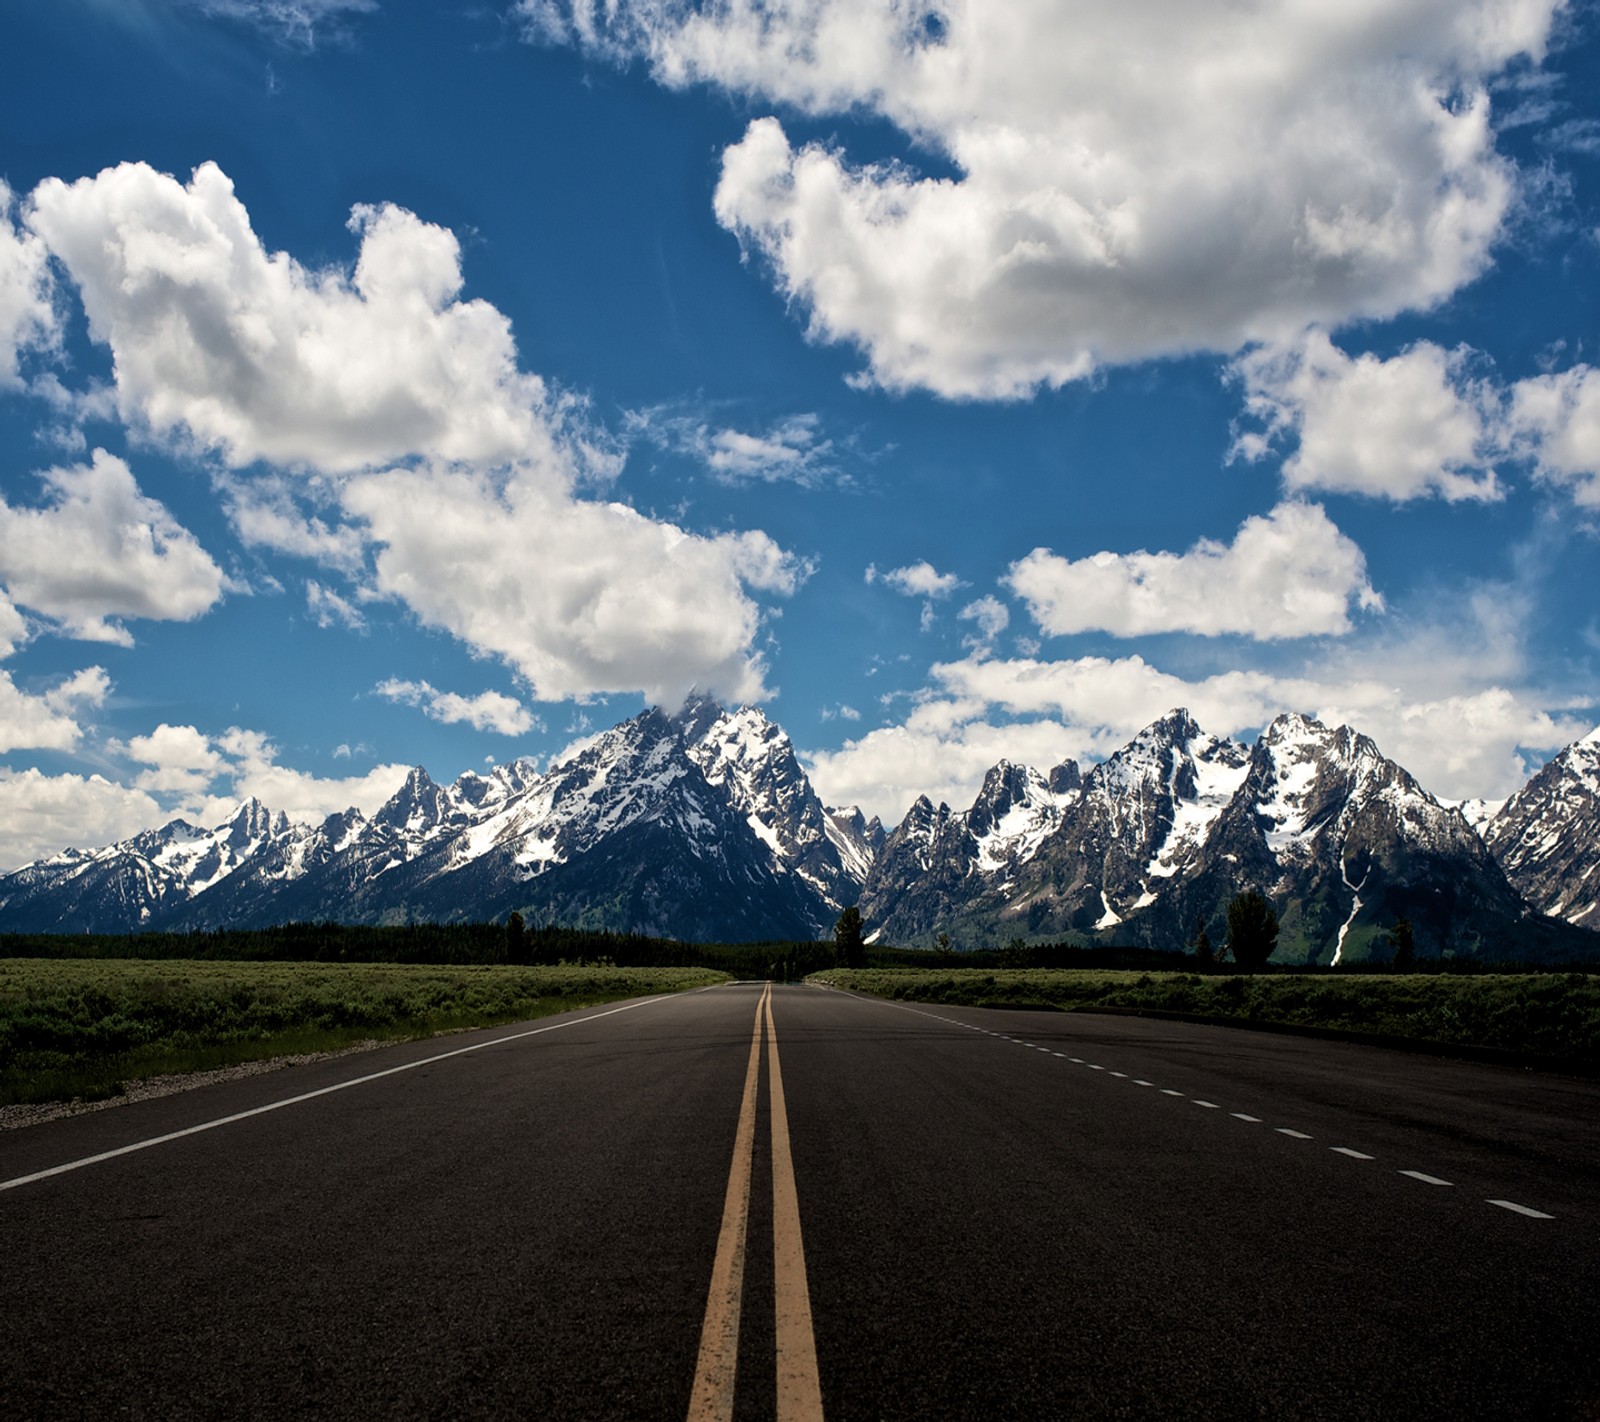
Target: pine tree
[1405, 946]
[849, 949]
[1252, 930]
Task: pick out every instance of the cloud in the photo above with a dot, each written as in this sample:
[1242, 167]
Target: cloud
[1107, 183]
[1291, 573]
[293, 22]
[50, 721]
[936, 755]
[1425, 422]
[265, 513]
[181, 760]
[580, 597]
[13, 627]
[1555, 420]
[917, 580]
[790, 451]
[101, 550]
[224, 347]
[488, 711]
[213, 774]
[253, 356]
[1415, 425]
[328, 609]
[991, 616]
[27, 314]
[42, 814]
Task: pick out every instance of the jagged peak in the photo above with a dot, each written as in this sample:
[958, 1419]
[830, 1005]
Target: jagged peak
[1064, 778]
[698, 714]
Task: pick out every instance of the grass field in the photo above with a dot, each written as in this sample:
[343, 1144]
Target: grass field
[1546, 1014]
[82, 1028]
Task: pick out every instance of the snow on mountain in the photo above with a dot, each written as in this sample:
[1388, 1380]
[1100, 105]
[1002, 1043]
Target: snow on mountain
[753, 763]
[1143, 816]
[1345, 842]
[937, 861]
[1547, 836]
[703, 824]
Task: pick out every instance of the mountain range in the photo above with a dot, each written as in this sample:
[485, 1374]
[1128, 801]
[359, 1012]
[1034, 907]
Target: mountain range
[703, 825]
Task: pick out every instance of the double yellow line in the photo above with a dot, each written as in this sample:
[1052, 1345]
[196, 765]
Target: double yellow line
[799, 1395]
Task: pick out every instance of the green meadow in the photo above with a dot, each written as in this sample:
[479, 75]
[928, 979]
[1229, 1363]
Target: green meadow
[82, 1028]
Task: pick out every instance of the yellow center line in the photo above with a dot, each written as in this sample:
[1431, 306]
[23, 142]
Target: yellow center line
[799, 1391]
[711, 1399]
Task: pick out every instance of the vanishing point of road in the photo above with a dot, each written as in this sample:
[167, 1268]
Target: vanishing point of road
[758, 1201]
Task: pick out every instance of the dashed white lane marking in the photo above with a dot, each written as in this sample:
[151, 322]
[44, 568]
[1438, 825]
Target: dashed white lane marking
[1289, 1131]
[1515, 1208]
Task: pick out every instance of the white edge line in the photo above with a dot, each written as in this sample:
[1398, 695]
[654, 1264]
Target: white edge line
[322, 1091]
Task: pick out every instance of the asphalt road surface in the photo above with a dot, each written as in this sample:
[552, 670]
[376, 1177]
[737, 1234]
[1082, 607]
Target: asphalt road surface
[938, 1213]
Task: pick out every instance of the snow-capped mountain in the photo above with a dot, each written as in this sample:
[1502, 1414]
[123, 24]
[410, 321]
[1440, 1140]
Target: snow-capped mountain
[1346, 842]
[698, 826]
[752, 762]
[937, 861]
[704, 825]
[1547, 836]
[1167, 830]
[1143, 817]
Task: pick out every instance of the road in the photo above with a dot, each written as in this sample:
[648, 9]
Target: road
[942, 1213]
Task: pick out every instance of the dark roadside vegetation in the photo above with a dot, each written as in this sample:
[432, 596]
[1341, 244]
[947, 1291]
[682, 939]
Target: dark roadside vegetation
[82, 1015]
[1553, 1017]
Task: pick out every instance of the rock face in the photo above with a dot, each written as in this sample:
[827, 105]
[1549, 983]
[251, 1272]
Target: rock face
[1547, 836]
[704, 825]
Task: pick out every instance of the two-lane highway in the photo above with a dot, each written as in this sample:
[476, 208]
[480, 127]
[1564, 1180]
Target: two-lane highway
[956, 1213]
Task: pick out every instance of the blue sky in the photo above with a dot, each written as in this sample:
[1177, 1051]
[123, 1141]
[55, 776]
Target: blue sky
[390, 384]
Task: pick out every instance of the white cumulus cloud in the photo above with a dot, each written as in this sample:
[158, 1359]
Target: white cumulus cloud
[49, 721]
[1555, 419]
[580, 597]
[1125, 181]
[1291, 573]
[1417, 424]
[43, 814]
[252, 355]
[27, 314]
[917, 580]
[488, 711]
[100, 550]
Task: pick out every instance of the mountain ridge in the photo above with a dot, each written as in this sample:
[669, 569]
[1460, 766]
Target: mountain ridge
[703, 824]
